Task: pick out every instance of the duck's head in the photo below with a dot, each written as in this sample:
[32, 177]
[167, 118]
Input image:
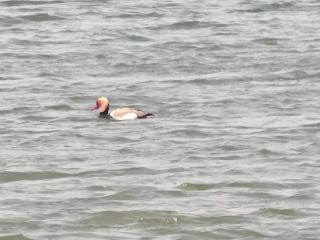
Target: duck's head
[102, 104]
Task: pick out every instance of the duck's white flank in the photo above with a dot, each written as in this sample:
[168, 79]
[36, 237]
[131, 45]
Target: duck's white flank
[124, 114]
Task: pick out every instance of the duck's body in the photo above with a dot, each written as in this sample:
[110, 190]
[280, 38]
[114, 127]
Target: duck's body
[124, 114]
[119, 114]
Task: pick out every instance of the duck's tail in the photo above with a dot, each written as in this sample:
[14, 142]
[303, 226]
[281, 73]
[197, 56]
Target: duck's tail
[147, 115]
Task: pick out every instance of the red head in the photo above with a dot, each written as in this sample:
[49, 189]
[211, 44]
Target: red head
[102, 104]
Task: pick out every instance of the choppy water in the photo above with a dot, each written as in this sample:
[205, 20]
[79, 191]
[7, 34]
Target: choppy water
[233, 152]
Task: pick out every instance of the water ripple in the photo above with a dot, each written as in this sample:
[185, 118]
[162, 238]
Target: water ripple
[30, 176]
[14, 237]
[232, 152]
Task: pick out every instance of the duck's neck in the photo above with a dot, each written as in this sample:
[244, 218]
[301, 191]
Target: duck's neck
[105, 113]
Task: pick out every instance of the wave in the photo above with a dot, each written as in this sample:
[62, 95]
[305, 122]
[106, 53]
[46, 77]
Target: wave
[196, 186]
[23, 3]
[14, 237]
[251, 185]
[270, 7]
[30, 176]
[135, 15]
[133, 216]
[289, 212]
[13, 176]
[42, 17]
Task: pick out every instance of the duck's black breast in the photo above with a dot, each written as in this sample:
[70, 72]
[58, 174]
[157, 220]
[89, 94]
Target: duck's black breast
[104, 114]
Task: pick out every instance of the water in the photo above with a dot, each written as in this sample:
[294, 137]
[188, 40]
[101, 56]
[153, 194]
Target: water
[233, 149]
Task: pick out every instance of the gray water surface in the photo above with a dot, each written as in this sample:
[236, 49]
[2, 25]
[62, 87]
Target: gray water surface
[233, 149]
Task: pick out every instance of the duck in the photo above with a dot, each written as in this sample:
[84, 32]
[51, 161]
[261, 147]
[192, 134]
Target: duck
[119, 114]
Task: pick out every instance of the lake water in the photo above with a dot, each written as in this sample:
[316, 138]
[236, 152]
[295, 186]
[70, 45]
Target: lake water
[232, 152]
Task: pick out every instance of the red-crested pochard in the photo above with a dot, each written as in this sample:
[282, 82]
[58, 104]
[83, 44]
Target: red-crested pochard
[124, 113]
